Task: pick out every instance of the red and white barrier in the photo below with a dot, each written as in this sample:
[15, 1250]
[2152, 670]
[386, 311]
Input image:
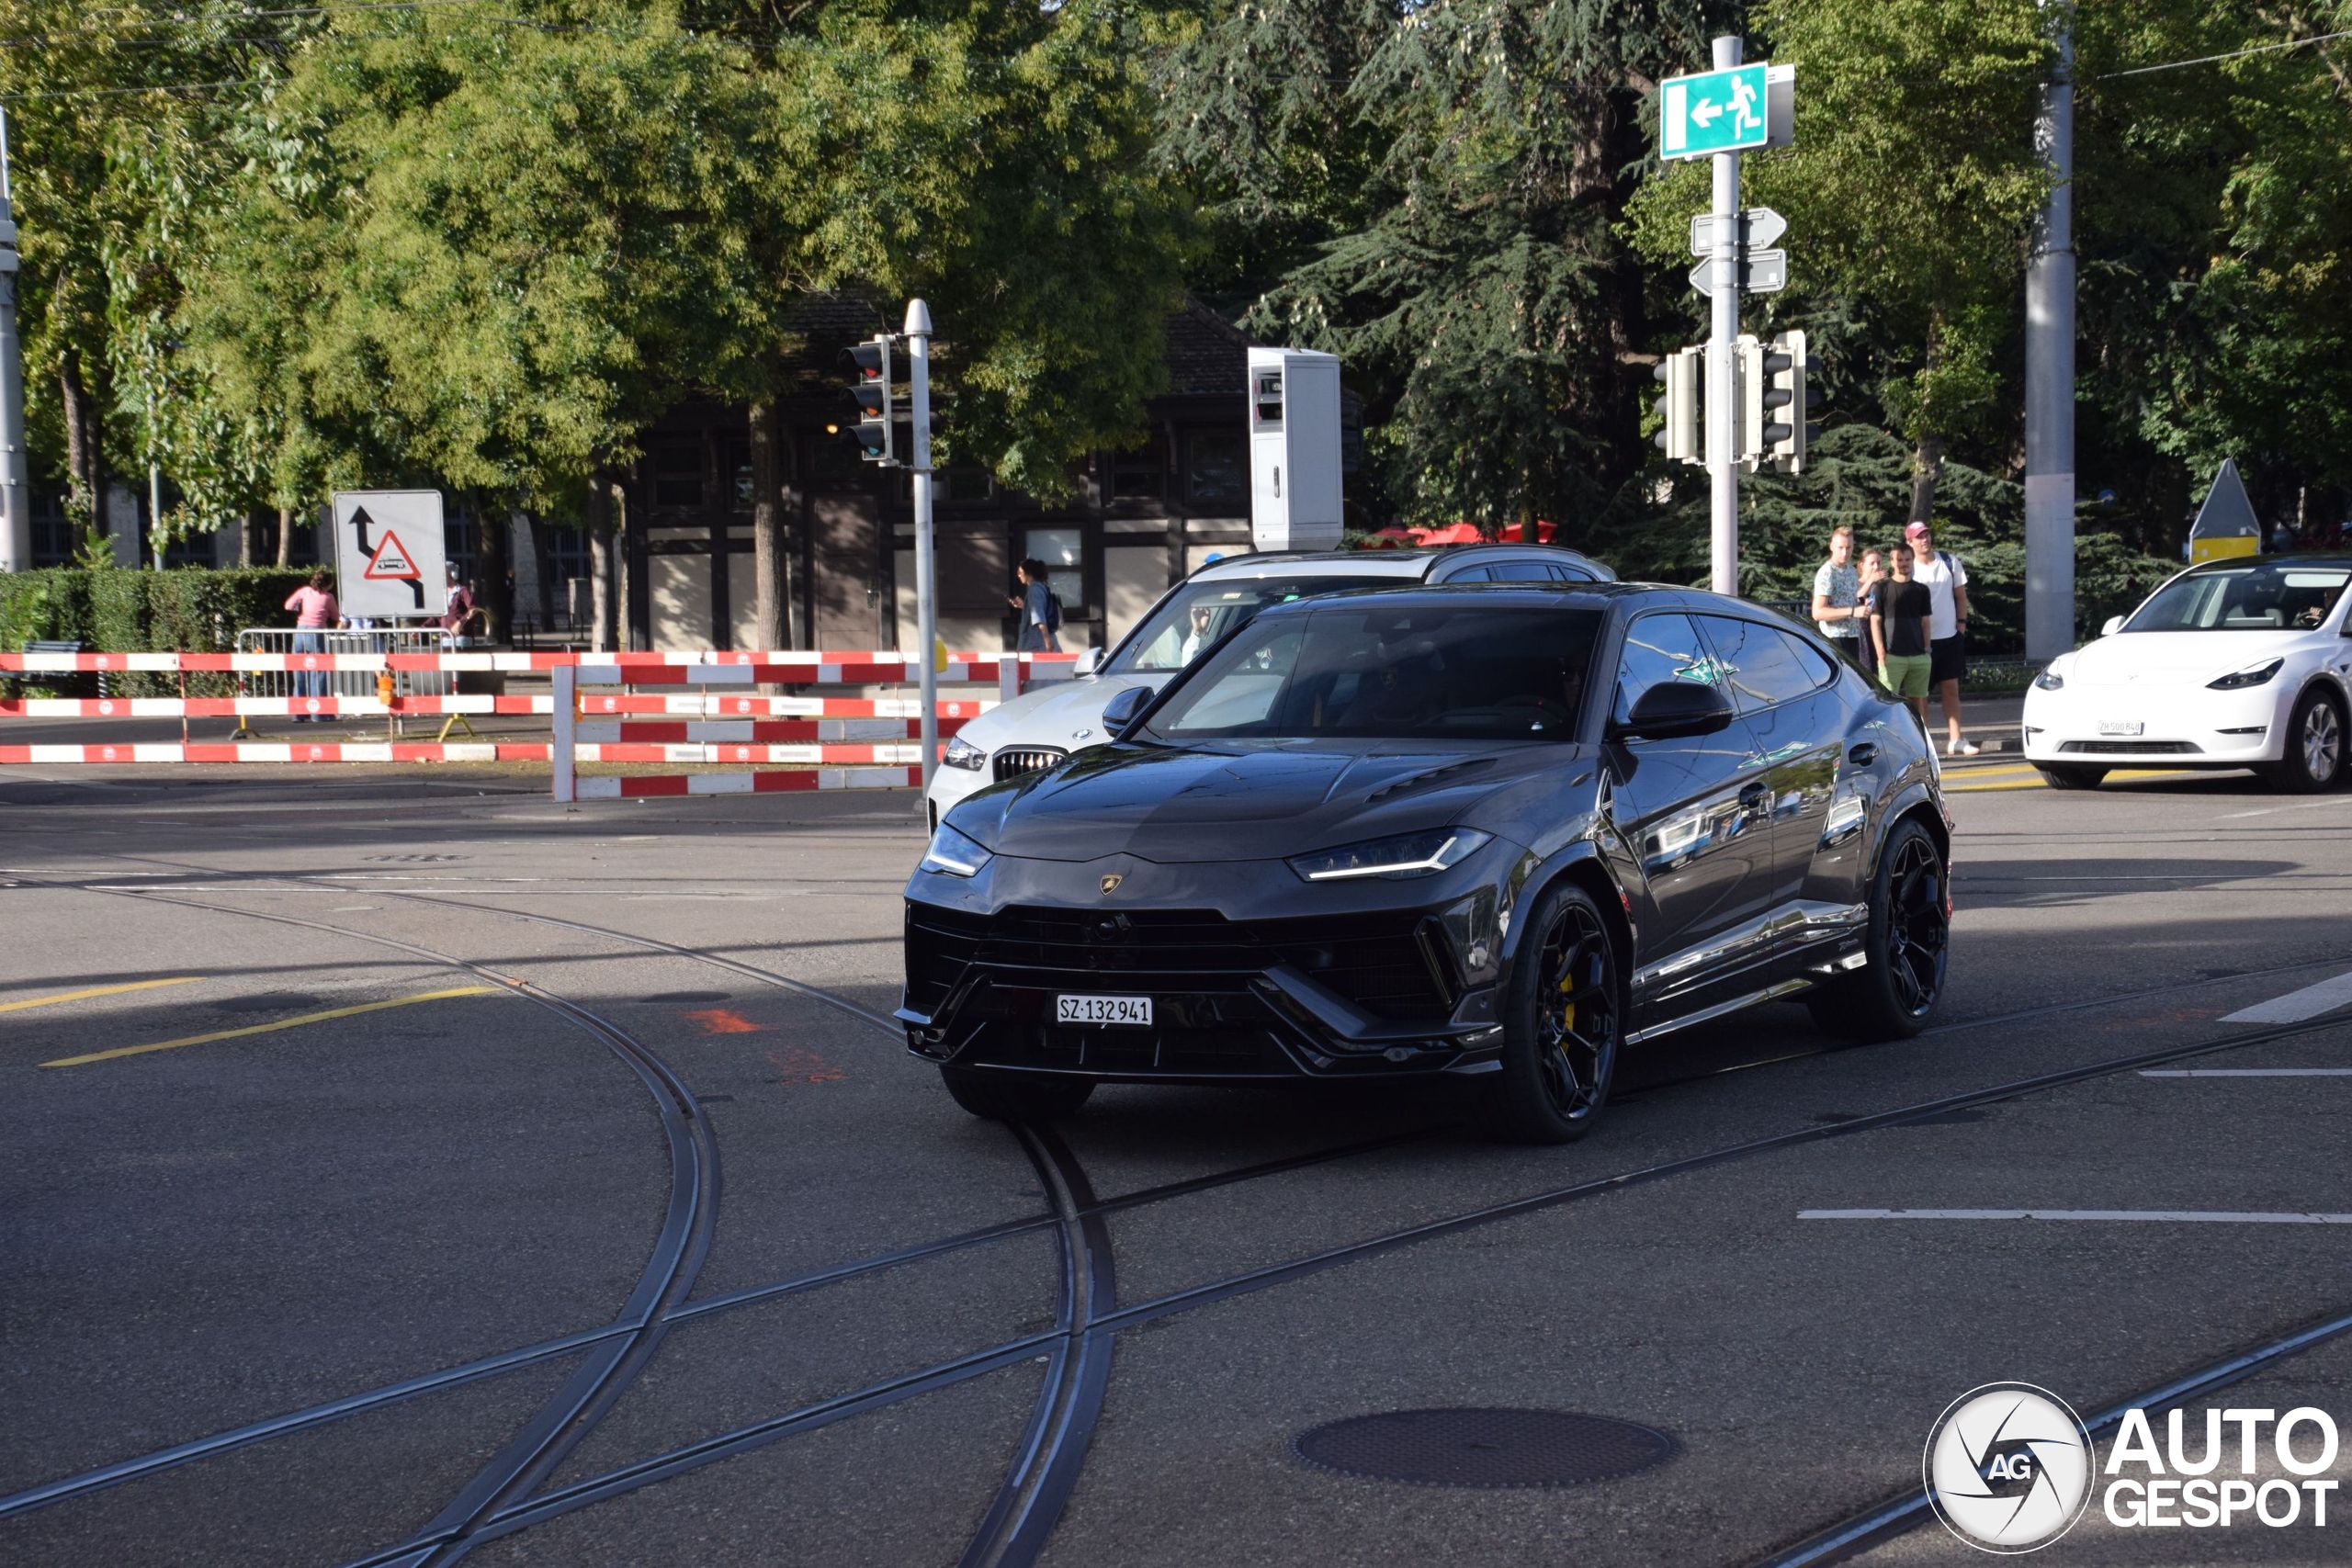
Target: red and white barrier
[815, 742]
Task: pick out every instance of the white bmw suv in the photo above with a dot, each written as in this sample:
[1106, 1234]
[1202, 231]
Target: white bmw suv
[1040, 728]
[2244, 662]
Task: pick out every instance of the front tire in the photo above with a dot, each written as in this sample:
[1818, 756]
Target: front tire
[2314, 750]
[1563, 1022]
[1894, 995]
[1015, 1097]
[2072, 777]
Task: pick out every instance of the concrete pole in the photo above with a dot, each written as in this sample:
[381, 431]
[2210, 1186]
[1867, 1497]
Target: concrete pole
[918, 330]
[2050, 375]
[16, 499]
[1723, 362]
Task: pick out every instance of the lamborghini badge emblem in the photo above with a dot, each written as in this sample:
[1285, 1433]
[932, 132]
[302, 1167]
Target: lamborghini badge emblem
[1111, 883]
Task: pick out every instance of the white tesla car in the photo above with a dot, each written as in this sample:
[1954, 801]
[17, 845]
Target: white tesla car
[1040, 728]
[2238, 663]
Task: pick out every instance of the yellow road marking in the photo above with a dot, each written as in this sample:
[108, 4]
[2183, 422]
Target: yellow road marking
[266, 1028]
[95, 991]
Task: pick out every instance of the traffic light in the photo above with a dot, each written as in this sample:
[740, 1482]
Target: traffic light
[1748, 394]
[1679, 434]
[870, 386]
[1786, 403]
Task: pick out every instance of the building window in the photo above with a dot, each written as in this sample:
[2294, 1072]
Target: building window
[677, 475]
[1220, 475]
[737, 450]
[966, 485]
[567, 553]
[1063, 551]
[1140, 474]
[833, 457]
[52, 531]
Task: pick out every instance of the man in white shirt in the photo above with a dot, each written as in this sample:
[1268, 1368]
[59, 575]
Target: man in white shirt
[1947, 583]
[1835, 588]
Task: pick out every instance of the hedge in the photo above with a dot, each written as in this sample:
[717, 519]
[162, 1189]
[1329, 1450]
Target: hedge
[124, 610]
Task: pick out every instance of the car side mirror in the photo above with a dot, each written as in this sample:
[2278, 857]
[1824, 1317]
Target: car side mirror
[1675, 709]
[2114, 625]
[1089, 661]
[1121, 711]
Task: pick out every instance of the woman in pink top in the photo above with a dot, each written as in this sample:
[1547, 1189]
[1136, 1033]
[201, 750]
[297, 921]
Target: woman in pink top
[315, 612]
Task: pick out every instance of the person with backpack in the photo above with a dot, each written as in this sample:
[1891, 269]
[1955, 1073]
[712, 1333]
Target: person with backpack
[1947, 583]
[1040, 609]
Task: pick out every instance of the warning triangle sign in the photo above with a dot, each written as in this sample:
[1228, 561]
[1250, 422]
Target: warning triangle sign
[391, 559]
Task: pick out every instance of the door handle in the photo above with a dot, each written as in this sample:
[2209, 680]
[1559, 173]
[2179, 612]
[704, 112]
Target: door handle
[1863, 755]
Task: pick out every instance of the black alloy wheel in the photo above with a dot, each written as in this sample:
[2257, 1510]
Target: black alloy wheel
[2072, 777]
[2313, 759]
[1563, 1022]
[1015, 1097]
[1893, 995]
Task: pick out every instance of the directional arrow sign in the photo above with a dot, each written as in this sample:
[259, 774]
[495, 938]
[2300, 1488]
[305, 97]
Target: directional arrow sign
[1762, 272]
[1758, 227]
[388, 552]
[1717, 111]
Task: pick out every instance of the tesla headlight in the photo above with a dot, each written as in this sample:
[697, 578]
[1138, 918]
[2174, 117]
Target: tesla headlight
[2050, 679]
[954, 854]
[961, 753]
[2254, 676]
[1413, 855]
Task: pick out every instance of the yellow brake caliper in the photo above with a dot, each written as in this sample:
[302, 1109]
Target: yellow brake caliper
[1568, 1014]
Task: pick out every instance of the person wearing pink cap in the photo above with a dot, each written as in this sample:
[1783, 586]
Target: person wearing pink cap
[1946, 581]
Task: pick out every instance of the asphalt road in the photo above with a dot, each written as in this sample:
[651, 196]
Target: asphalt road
[474, 1120]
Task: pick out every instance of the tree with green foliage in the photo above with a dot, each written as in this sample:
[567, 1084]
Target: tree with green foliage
[1434, 192]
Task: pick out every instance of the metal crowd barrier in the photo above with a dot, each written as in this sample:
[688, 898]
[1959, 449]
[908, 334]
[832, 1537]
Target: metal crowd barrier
[344, 683]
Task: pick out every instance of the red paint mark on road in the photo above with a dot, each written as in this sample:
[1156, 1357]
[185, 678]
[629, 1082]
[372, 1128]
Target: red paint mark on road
[804, 1066]
[719, 1020]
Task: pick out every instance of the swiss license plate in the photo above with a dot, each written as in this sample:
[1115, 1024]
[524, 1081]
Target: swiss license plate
[2121, 727]
[1102, 1010]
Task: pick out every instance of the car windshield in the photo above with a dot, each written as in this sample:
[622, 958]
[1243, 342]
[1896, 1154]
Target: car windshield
[1368, 669]
[1198, 614]
[2257, 597]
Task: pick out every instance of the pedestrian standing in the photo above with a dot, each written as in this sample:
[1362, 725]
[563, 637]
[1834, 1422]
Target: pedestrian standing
[457, 612]
[1870, 576]
[1946, 581]
[315, 613]
[1040, 610]
[1900, 625]
[1837, 586]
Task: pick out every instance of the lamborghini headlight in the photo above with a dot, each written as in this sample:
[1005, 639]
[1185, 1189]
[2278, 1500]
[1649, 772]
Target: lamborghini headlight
[1411, 854]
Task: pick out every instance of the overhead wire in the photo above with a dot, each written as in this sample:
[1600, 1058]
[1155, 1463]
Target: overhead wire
[2216, 58]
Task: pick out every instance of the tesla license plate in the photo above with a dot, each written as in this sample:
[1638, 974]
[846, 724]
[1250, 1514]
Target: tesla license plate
[1102, 1010]
[2119, 726]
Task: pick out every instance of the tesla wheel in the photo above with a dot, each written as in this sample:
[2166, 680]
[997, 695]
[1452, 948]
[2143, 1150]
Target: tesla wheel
[2314, 754]
[1010, 1097]
[1894, 995]
[2073, 777]
[1562, 1023]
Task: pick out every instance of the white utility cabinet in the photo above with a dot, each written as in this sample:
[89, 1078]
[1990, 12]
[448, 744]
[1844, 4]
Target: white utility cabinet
[1293, 449]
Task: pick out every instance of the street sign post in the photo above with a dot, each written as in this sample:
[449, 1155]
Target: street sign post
[1715, 111]
[1760, 272]
[1758, 228]
[390, 562]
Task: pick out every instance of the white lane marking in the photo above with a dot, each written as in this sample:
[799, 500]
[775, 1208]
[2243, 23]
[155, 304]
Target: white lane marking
[2296, 1006]
[2274, 810]
[2246, 1073]
[2180, 1216]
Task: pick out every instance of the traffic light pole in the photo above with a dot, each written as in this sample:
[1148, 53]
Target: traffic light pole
[2049, 377]
[918, 331]
[1723, 356]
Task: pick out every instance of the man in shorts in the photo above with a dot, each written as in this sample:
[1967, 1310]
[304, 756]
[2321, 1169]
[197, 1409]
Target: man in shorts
[1946, 581]
[1899, 621]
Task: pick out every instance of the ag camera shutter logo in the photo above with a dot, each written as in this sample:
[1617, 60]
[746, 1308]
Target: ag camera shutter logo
[2008, 1467]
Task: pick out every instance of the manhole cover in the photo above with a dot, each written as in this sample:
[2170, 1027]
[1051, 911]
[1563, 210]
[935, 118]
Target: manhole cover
[686, 996]
[276, 1001]
[1483, 1448]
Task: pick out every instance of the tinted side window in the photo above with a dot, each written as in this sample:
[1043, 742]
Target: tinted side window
[1569, 574]
[1660, 649]
[1521, 571]
[1765, 666]
[1468, 574]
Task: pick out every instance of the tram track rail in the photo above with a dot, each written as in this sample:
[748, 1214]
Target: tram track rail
[1053, 1446]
